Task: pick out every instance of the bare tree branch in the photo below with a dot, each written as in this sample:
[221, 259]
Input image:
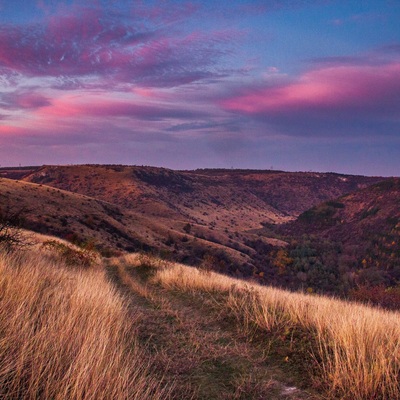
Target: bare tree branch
[11, 234]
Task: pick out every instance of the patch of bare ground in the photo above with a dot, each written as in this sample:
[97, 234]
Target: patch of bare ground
[205, 354]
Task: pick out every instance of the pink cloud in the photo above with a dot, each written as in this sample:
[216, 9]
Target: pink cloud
[9, 130]
[72, 44]
[344, 88]
[71, 106]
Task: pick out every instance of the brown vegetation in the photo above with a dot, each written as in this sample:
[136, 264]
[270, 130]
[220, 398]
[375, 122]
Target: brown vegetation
[187, 213]
[213, 218]
[206, 355]
[179, 332]
[240, 199]
[348, 243]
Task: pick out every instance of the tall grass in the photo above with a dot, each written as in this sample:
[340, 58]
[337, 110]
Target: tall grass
[65, 334]
[357, 348]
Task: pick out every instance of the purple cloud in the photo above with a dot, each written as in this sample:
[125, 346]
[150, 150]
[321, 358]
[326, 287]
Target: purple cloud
[23, 100]
[100, 107]
[89, 42]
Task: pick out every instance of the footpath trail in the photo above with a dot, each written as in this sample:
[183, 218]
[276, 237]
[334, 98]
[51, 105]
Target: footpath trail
[205, 355]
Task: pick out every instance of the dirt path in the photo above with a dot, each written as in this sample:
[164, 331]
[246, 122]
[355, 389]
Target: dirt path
[189, 345]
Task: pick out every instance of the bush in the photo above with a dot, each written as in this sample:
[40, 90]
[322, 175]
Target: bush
[377, 295]
[78, 257]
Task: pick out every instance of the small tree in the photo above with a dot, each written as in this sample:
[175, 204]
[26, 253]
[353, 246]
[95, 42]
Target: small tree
[11, 234]
[187, 228]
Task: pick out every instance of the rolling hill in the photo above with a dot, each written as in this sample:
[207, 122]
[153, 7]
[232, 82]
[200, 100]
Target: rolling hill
[364, 226]
[68, 215]
[199, 217]
[227, 198]
[205, 335]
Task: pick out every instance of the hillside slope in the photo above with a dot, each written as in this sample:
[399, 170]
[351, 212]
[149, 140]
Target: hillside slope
[110, 227]
[370, 211]
[231, 199]
[202, 217]
[350, 241]
[70, 215]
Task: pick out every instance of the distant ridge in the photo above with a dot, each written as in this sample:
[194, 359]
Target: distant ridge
[238, 218]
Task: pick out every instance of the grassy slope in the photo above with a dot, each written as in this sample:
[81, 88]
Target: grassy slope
[65, 334]
[196, 334]
[222, 336]
[55, 211]
[62, 213]
[203, 350]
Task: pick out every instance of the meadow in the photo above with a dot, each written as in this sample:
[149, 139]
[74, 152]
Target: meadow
[138, 327]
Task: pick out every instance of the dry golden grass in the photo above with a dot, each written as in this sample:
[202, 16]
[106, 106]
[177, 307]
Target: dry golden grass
[65, 334]
[356, 348]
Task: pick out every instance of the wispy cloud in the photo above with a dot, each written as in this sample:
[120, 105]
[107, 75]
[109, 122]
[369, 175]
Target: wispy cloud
[100, 107]
[23, 100]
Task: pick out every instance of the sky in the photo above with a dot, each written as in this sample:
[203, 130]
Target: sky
[296, 85]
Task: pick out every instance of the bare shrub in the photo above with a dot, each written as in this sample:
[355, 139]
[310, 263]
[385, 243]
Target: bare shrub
[82, 257]
[11, 234]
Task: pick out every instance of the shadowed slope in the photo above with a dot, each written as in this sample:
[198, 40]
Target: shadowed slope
[365, 225]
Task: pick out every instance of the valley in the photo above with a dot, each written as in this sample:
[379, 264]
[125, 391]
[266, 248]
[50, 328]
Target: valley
[196, 330]
[227, 220]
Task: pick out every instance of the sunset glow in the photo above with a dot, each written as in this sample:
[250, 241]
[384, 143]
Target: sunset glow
[302, 85]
